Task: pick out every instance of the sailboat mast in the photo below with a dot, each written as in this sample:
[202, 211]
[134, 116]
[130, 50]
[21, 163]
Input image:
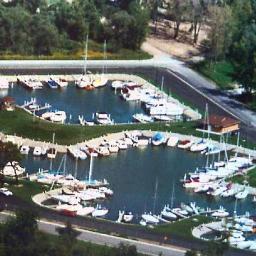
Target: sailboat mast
[155, 195]
[162, 83]
[104, 55]
[172, 198]
[86, 54]
[90, 170]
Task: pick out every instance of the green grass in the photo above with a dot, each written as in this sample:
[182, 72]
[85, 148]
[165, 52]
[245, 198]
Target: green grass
[25, 125]
[183, 227]
[249, 178]
[25, 190]
[95, 52]
[220, 72]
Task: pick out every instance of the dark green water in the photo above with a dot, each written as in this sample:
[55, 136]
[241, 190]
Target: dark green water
[132, 175]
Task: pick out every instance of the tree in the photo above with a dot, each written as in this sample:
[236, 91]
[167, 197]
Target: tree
[245, 58]
[19, 234]
[191, 253]
[198, 13]
[10, 153]
[177, 10]
[68, 236]
[126, 250]
[221, 31]
[139, 25]
[215, 249]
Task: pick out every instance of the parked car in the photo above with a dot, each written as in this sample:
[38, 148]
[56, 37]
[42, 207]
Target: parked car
[5, 192]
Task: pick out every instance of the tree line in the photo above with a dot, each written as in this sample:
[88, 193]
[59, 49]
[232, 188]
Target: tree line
[38, 28]
[20, 236]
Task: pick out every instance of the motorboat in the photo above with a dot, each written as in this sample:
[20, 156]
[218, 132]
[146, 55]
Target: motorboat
[168, 214]
[122, 145]
[187, 208]
[100, 81]
[90, 151]
[51, 153]
[228, 192]
[200, 146]
[141, 141]
[158, 139]
[218, 191]
[4, 83]
[243, 194]
[117, 84]
[99, 211]
[37, 151]
[149, 218]
[83, 82]
[166, 109]
[253, 246]
[85, 211]
[202, 189]
[235, 238]
[172, 141]
[127, 217]
[130, 94]
[142, 118]
[220, 213]
[185, 144]
[113, 147]
[163, 118]
[103, 151]
[106, 191]
[180, 212]
[47, 115]
[244, 244]
[24, 149]
[103, 118]
[52, 83]
[58, 117]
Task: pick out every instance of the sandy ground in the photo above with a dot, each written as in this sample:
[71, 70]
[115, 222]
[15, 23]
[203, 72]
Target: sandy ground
[182, 47]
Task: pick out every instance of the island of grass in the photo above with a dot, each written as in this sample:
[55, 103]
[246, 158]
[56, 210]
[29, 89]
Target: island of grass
[248, 178]
[21, 123]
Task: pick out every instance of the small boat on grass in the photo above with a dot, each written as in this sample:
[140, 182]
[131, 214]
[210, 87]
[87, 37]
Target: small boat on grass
[149, 218]
[24, 149]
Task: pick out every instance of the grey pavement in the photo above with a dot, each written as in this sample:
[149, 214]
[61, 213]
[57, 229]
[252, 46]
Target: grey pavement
[147, 248]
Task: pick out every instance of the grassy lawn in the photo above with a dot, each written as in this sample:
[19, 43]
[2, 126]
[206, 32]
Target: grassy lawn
[183, 227]
[23, 124]
[219, 72]
[250, 178]
[95, 52]
[25, 190]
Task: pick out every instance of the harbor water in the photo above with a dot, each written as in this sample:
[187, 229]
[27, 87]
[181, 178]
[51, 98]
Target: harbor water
[77, 102]
[143, 179]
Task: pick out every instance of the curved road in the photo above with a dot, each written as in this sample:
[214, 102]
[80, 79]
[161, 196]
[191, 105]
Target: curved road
[144, 247]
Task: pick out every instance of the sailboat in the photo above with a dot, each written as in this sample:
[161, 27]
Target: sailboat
[101, 80]
[52, 152]
[94, 183]
[84, 82]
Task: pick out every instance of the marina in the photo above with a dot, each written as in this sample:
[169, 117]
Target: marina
[135, 100]
[162, 164]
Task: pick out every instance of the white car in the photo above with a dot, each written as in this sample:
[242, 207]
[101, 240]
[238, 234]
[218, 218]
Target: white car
[5, 191]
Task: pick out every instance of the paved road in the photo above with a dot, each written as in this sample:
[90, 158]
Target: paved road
[147, 248]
